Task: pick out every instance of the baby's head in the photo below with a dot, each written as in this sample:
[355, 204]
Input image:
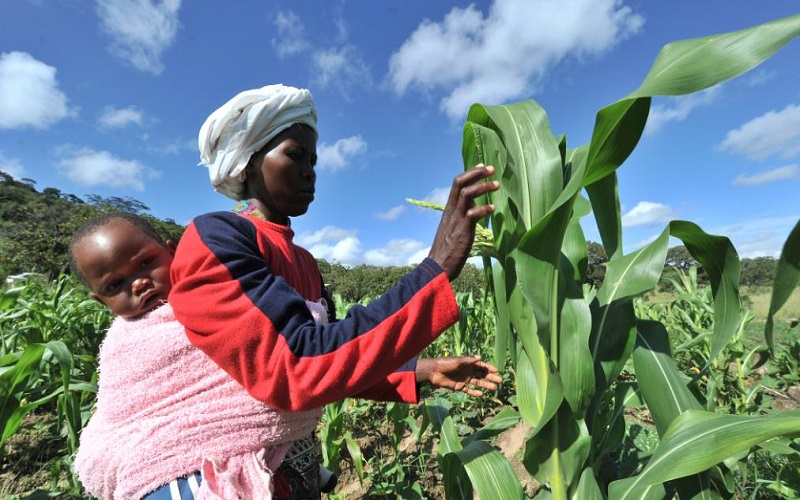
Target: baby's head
[124, 262]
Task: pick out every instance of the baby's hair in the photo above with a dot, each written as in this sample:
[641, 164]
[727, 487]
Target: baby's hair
[91, 226]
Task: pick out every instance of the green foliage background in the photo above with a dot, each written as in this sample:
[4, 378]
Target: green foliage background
[36, 226]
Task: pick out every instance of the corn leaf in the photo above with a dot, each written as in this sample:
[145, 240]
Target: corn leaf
[698, 440]
[688, 66]
[588, 489]
[719, 258]
[787, 276]
[662, 385]
[490, 472]
[557, 454]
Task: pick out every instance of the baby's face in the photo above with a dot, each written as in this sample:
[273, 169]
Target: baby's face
[126, 269]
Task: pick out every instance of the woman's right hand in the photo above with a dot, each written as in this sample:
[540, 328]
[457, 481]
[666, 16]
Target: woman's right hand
[456, 231]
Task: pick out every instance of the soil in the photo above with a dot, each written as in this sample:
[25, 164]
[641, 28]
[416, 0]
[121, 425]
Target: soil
[27, 463]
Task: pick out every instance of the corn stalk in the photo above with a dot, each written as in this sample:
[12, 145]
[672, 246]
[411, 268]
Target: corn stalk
[575, 341]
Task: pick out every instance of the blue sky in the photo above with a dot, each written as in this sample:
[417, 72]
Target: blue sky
[106, 97]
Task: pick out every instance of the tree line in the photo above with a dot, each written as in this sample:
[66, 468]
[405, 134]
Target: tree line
[36, 227]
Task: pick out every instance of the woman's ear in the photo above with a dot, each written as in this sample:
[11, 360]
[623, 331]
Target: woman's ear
[171, 247]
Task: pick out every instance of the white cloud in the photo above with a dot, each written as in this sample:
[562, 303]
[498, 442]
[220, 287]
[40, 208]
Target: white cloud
[338, 155]
[510, 50]
[346, 251]
[29, 93]
[12, 167]
[140, 30]
[120, 117]
[787, 173]
[679, 108]
[438, 195]
[100, 168]
[398, 252]
[763, 237]
[391, 214]
[759, 78]
[290, 39]
[173, 147]
[773, 133]
[336, 244]
[333, 244]
[647, 213]
[325, 235]
[342, 68]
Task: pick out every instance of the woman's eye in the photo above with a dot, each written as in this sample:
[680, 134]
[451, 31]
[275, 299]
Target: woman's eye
[146, 262]
[113, 287]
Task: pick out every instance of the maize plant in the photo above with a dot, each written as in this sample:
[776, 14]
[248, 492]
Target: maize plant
[573, 340]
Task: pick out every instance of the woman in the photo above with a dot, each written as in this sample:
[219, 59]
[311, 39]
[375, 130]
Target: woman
[240, 284]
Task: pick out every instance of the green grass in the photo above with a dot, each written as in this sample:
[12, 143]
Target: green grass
[757, 299]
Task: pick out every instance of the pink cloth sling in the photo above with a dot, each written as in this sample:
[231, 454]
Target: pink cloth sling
[164, 410]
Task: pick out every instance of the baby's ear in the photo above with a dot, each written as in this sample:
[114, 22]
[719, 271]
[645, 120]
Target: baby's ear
[96, 297]
[171, 247]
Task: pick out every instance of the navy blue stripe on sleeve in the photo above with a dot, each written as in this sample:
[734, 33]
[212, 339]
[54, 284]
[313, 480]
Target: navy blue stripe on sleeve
[233, 241]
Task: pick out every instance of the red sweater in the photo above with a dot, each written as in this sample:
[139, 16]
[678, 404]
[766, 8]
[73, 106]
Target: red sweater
[239, 288]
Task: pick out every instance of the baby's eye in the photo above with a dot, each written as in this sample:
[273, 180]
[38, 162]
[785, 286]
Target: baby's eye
[113, 287]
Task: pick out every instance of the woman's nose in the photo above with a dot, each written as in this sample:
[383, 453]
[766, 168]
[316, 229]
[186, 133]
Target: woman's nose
[309, 172]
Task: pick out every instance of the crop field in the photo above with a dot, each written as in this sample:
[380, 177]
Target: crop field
[379, 450]
[612, 390]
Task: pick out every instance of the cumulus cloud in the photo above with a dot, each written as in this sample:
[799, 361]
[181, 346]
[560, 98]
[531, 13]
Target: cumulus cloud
[171, 147]
[758, 78]
[787, 173]
[648, 213]
[342, 246]
[140, 30]
[333, 244]
[438, 195]
[100, 168]
[762, 237]
[29, 93]
[679, 108]
[342, 68]
[773, 133]
[290, 38]
[324, 235]
[120, 117]
[391, 214]
[12, 167]
[339, 66]
[510, 49]
[338, 155]
[346, 251]
[399, 252]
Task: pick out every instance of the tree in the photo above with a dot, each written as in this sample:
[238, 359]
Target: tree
[759, 271]
[596, 264]
[678, 257]
[35, 228]
[115, 203]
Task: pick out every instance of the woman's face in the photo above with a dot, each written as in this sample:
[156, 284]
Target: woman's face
[281, 176]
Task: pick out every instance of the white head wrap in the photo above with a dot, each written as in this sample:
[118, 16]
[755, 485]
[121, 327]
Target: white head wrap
[244, 125]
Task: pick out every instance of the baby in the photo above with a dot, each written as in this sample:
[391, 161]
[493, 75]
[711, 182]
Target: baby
[168, 419]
